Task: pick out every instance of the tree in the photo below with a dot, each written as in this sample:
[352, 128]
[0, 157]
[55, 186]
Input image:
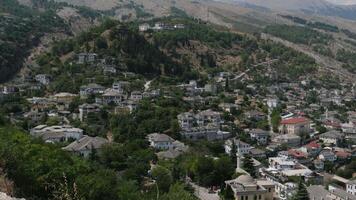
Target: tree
[302, 193]
[247, 165]
[163, 178]
[228, 193]
[233, 152]
[128, 190]
[177, 191]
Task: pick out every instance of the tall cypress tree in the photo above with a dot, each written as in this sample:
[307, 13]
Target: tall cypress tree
[302, 193]
[247, 165]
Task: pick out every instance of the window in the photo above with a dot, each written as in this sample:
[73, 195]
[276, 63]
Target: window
[259, 197]
[255, 197]
[242, 197]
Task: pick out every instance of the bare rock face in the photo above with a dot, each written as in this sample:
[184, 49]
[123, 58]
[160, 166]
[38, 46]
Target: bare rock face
[4, 196]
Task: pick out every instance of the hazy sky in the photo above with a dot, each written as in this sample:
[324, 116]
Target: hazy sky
[345, 2]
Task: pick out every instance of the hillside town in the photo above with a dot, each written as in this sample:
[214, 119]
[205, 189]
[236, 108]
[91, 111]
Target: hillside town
[226, 134]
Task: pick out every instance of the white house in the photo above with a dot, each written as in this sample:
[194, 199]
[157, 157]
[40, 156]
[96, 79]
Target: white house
[241, 147]
[160, 141]
[259, 135]
[56, 133]
[351, 187]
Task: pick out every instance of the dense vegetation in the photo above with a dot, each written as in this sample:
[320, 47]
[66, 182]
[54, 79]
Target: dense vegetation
[299, 34]
[349, 58]
[21, 28]
[316, 25]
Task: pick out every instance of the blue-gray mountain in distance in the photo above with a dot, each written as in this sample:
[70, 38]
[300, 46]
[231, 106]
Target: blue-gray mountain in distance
[339, 8]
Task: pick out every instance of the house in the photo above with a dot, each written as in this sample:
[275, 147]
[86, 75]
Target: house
[318, 192]
[112, 96]
[64, 98]
[44, 79]
[186, 120]
[351, 187]
[342, 154]
[178, 149]
[272, 102]
[91, 89]
[241, 147]
[86, 58]
[255, 115]
[259, 135]
[201, 119]
[247, 188]
[312, 148]
[257, 153]
[136, 96]
[327, 155]
[331, 137]
[340, 193]
[8, 89]
[290, 140]
[349, 129]
[295, 126]
[85, 109]
[120, 86]
[144, 27]
[208, 117]
[35, 116]
[209, 133]
[86, 145]
[228, 107]
[160, 141]
[56, 133]
[109, 69]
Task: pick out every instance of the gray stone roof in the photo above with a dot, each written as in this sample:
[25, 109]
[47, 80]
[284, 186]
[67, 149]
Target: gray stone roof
[86, 143]
[318, 192]
[156, 137]
[332, 134]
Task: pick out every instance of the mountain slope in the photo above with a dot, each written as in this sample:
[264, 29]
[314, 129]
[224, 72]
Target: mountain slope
[313, 7]
[27, 24]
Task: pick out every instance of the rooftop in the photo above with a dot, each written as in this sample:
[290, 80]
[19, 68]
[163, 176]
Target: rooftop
[295, 120]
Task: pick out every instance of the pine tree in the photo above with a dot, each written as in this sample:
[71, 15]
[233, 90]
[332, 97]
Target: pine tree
[228, 193]
[233, 152]
[247, 165]
[302, 193]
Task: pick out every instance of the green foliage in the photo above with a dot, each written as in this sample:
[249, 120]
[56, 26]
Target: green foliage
[200, 32]
[228, 193]
[347, 57]
[247, 165]
[276, 118]
[348, 171]
[208, 172]
[290, 63]
[302, 193]
[177, 191]
[24, 26]
[298, 34]
[163, 177]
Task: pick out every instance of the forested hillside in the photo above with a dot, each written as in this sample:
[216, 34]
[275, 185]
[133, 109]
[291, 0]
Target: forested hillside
[23, 26]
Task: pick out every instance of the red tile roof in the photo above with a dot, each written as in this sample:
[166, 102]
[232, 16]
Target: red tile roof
[313, 144]
[296, 153]
[343, 154]
[294, 120]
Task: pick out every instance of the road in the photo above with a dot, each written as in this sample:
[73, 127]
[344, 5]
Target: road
[203, 193]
